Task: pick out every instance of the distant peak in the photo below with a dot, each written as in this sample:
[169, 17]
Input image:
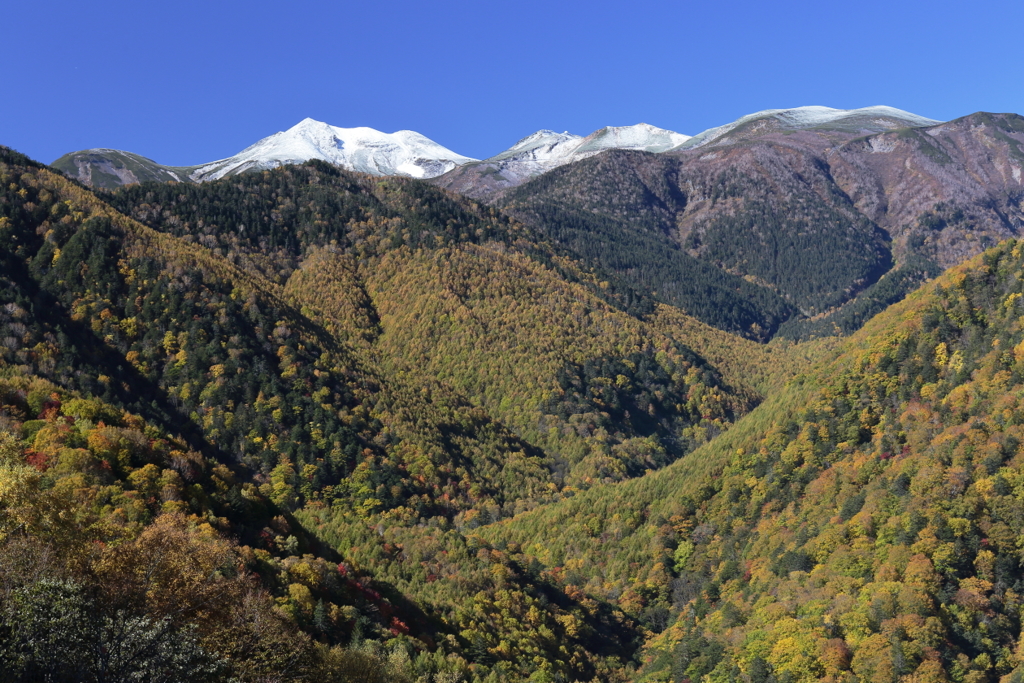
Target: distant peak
[541, 134]
[815, 114]
[811, 116]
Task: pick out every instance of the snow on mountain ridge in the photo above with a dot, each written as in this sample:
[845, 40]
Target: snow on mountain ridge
[641, 136]
[809, 117]
[408, 153]
[367, 150]
[546, 150]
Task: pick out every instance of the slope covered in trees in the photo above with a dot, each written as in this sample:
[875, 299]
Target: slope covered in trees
[862, 524]
[401, 436]
[746, 240]
[445, 290]
[618, 210]
[331, 380]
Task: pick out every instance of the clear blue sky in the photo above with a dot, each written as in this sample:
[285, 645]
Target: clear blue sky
[186, 82]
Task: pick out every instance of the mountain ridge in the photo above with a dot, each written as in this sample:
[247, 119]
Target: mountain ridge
[545, 151]
[863, 120]
[411, 154]
[881, 212]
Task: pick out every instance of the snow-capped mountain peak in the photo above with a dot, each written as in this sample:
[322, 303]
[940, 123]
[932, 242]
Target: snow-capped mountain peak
[362, 149]
[641, 136]
[541, 140]
[546, 149]
[877, 119]
[543, 146]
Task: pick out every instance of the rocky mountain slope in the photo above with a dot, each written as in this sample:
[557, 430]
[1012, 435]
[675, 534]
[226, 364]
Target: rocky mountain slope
[110, 168]
[837, 223]
[546, 150]
[825, 120]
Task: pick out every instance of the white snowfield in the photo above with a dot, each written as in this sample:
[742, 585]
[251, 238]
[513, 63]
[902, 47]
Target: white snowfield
[546, 149]
[809, 117]
[367, 150]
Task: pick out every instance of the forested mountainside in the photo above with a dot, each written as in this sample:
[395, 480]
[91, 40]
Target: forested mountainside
[818, 221]
[306, 424]
[320, 385]
[462, 295]
[862, 525]
[801, 223]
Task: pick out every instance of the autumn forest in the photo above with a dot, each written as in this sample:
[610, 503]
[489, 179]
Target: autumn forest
[306, 424]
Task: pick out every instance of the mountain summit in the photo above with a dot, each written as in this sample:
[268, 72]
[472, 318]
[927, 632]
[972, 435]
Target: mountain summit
[865, 120]
[405, 153]
[356, 149]
[546, 150]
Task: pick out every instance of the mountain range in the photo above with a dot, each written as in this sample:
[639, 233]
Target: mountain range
[810, 230]
[630, 407]
[679, 229]
[408, 153]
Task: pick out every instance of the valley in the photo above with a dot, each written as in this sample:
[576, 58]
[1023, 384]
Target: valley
[634, 406]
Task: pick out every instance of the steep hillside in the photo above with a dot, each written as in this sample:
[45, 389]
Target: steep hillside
[545, 150]
[146, 487]
[834, 224]
[450, 295]
[738, 241]
[333, 379]
[862, 523]
[945, 192]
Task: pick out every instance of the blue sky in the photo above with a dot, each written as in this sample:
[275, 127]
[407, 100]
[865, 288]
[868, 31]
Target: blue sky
[186, 82]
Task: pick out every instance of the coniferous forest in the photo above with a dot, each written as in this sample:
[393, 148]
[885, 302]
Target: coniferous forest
[305, 424]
